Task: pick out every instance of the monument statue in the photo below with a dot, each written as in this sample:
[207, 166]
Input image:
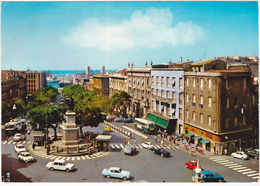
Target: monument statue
[70, 103]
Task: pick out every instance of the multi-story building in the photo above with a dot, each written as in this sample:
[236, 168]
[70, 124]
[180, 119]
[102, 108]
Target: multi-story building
[101, 84]
[13, 85]
[139, 89]
[88, 71]
[118, 82]
[167, 100]
[35, 80]
[218, 109]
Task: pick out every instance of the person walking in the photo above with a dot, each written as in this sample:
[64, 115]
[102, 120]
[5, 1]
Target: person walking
[33, 146]
[155, 138]
[161, 142]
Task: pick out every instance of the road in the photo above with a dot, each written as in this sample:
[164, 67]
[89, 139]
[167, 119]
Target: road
[143, 166]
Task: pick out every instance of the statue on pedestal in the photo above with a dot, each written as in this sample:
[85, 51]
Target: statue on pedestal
[70, 103]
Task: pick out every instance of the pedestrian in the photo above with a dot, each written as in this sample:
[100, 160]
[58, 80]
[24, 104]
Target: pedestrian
[161, 142]
[134, 141]
[8, 176]
[161, 134]
[33, 146]
[155, 138]
[191, 151]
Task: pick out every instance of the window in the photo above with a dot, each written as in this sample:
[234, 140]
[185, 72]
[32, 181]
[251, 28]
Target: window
[173, 95]
[173, 82]
[227, 123]
[187, 82]
[254, 100]
[180, 98]
[180, 83]
[235, 101]
[162, 93]
[244, 119]
[157, 92]
[167, 94]
[187, 113]
[167, 81]
[209, 121]
[201, 118]
[187, 97]
[236, 121]
[162, 81]
[194, 98]
[244, 83]
[227, 102]
[209, 101]
[180, 113]
[210, 83]
[201, 83]
[173, 112]
[193, 116]
[194, 82]
[152, 80]
[152, 91]
[157, 80]
[227, 84]
[201, 100]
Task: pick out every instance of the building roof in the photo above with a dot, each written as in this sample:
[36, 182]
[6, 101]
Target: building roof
[228, 70]
[123, 71]
[204, 62]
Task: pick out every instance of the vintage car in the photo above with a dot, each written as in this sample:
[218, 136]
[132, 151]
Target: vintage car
[191, 165]
[161, 152]
[25, 157]
[18, 137]
[116, 172]
[19, 148]
[129, 120]
[119, 120]
[208, 176]
[252, 154]
[240, 155]
[130, 150]
[108, 129]
[148, 145]
[59, 164]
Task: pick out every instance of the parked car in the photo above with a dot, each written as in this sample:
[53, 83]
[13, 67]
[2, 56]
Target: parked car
[59, 164]
[119, 120]
[191, 165]
[108, 129]
[129, 120]
[209, 176]
[116, 172]
[19, 148]
[25, 157]
[130, 150]
[240, 155]
[148, 145]
[111, 118]
[252, 154]
[18, 137]
[105, 132]
[161, 152]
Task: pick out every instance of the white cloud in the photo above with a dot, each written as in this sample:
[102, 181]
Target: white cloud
[151, 29]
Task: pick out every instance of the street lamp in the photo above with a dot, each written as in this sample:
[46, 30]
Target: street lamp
[13, 114]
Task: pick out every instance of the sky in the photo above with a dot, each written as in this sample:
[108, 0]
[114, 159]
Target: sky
[73, 35]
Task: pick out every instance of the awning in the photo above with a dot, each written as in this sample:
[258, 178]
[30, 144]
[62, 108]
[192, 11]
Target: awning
[204, 141]
[189, 134]
[197, 137]
[157, 120]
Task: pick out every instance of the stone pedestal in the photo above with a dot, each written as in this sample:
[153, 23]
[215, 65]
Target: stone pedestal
[70, 130]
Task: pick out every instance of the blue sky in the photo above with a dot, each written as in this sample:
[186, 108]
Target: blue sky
[72, 35]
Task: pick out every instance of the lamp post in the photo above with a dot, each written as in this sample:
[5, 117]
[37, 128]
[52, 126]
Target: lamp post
[13, 115]
[198, 171]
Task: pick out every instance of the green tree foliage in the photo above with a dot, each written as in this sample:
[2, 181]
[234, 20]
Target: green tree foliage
[45, 95]
[119, 103]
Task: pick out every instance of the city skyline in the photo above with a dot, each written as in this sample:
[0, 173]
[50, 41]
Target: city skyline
[73, 35]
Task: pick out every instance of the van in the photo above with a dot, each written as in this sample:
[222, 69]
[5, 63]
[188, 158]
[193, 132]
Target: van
[130, 150]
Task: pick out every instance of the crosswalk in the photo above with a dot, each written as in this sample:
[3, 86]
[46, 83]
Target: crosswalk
[139, 146]
[236, 167]
[71, 158]
[15, 142]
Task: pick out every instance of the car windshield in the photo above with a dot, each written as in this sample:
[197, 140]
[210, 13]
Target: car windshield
[20, 147]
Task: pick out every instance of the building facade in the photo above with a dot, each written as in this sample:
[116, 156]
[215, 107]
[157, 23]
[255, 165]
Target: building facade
[118, 82]
[101, 84]
[167, 100]
[218, 110]
[35, 80]
[139, 89]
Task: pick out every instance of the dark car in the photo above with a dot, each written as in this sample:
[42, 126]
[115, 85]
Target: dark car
[252, 154]
[129, 120]
[161, 152]
[119, 120]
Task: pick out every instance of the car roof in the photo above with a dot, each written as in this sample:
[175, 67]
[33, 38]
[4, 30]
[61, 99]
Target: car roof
[115, 168]
[20, 145]
[25, 152]
[59, 161]
[206, 172]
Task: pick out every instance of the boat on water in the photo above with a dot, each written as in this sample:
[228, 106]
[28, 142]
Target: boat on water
[65, 83]
[51, 79]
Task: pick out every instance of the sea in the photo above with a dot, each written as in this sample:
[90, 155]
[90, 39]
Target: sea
[64, 73]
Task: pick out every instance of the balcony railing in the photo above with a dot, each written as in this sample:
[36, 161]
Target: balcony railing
[193, 104]
[201, 105]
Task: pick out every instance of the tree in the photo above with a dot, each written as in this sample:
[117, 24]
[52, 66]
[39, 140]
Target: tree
[120, 102]
[45, 95]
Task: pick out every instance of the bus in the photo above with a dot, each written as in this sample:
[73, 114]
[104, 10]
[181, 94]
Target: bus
[145, 126]
[15, 125]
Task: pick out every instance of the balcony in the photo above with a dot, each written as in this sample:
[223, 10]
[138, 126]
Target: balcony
[193, 104]
[201, 105]
[168, 100]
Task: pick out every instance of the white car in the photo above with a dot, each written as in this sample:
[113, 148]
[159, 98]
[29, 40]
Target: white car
[19, 148]
[25, 157]
[18, 137]
[148, 145]
[239, 154]
[59, 164]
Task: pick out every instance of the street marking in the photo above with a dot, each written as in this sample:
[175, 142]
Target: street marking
[14, 143]
[24, 142]
[112, 146]
[215, 158]
[225, 163]
[253, 174]
[29, 142]
[177, 147]
[157, 146]
[239, 168]
[166, 147]
[78, 158]
[218, 159]
[88, 157]
[256, 177]
[244, 170]
[5, 142]
[68, 158]
[9, 142]
[63, 158]
[233, 165]
[249, 172]
[44, 156]
[222, 161]
[83, 157]
[121, 146]
[73, 158]
[117, 146]
[53, 157]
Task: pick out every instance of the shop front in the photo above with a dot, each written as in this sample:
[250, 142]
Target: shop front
[102, 142]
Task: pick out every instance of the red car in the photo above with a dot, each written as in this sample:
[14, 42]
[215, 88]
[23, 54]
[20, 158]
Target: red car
[191, 165]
